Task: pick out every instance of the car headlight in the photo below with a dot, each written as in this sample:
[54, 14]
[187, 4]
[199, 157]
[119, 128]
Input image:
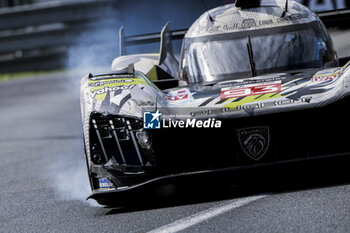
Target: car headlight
[144, 139]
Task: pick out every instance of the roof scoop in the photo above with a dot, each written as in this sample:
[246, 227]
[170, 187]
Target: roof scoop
[243, 4]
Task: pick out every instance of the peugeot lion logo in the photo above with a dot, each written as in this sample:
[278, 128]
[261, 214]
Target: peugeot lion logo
[254, 141]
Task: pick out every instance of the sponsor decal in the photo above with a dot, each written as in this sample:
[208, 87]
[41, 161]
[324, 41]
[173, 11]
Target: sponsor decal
[179, 95]
[99, 89]
[254, 141]
[274, 103]
[257, 105]
[99, 84]
[279, 77]
[250, 89]
[265, 22]
[105, 82]
[321, 78]
[332, 76]
[248, 23]
[105, 90]
[105, 184]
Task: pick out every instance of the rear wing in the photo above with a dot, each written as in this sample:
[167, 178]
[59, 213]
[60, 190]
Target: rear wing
[166, 34]
[338, 18]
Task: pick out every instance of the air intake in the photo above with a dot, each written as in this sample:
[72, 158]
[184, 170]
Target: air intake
[247, 3]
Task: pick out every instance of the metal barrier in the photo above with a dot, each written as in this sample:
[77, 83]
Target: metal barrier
[11, 3]
[39, 36]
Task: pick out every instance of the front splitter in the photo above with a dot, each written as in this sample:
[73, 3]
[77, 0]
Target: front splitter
[209, 179]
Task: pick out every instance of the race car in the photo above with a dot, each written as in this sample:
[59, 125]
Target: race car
[257, 83]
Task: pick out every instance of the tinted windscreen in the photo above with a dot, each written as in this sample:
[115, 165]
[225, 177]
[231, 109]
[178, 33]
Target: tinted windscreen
[274, 50]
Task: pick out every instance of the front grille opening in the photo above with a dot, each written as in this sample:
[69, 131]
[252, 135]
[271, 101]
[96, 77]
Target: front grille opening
[115, 136]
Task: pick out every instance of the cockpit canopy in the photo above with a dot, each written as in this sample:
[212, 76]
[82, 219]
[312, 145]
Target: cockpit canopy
[222, 56]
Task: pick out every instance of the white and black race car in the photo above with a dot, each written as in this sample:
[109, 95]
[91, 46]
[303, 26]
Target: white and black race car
[257, 83]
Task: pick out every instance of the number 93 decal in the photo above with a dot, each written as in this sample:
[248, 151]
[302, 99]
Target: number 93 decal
[252, 89]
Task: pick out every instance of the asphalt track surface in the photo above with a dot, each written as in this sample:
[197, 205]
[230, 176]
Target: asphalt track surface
[43, 181]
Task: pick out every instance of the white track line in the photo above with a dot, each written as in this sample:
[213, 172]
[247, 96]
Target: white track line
[204, 215]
